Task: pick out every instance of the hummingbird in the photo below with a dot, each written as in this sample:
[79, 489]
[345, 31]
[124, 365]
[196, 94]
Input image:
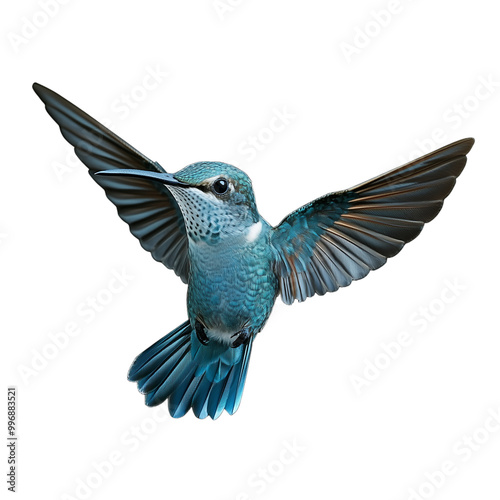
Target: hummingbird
[202, 222]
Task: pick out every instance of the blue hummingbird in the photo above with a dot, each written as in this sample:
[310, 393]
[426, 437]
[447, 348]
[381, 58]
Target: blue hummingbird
[203, 223]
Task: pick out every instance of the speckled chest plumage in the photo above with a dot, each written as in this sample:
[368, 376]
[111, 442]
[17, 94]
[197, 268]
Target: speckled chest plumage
[232, 284]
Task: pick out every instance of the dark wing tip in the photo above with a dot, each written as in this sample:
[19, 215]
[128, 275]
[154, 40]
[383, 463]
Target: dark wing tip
[457, 148]
[461, 147]
[467, 144]
[54, 100]
[43, 92]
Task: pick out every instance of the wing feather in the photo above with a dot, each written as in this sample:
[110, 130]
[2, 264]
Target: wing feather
[340, 237]
[147, 206]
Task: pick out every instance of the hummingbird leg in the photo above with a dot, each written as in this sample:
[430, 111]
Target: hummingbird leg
[200, 332]
[242, 337]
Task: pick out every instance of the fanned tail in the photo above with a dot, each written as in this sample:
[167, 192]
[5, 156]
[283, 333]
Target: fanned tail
[207, 378]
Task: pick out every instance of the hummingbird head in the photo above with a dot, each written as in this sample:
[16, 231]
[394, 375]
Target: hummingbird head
[216, 199]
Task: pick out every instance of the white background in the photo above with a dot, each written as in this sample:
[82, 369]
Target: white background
[353, 118]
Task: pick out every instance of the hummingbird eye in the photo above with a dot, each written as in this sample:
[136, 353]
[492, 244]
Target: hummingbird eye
[220, 186]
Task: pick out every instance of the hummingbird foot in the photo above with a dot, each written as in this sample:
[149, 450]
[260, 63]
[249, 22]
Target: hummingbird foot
[242, 337]
[200, 332]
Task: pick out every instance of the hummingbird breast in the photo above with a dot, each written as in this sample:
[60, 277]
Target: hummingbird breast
[232, 284]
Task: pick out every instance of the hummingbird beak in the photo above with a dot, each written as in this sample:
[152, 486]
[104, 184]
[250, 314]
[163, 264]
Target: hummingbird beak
[164, 178]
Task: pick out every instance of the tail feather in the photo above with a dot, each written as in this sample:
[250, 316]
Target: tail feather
[200, 397]
[173, 377]
[219, 394]
[180, 401]
[156, 379]
[236, 391]
[208, 378]
[149, 359]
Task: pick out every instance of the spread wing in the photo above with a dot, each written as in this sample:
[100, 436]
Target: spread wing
[341, 236]
[146, 206]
